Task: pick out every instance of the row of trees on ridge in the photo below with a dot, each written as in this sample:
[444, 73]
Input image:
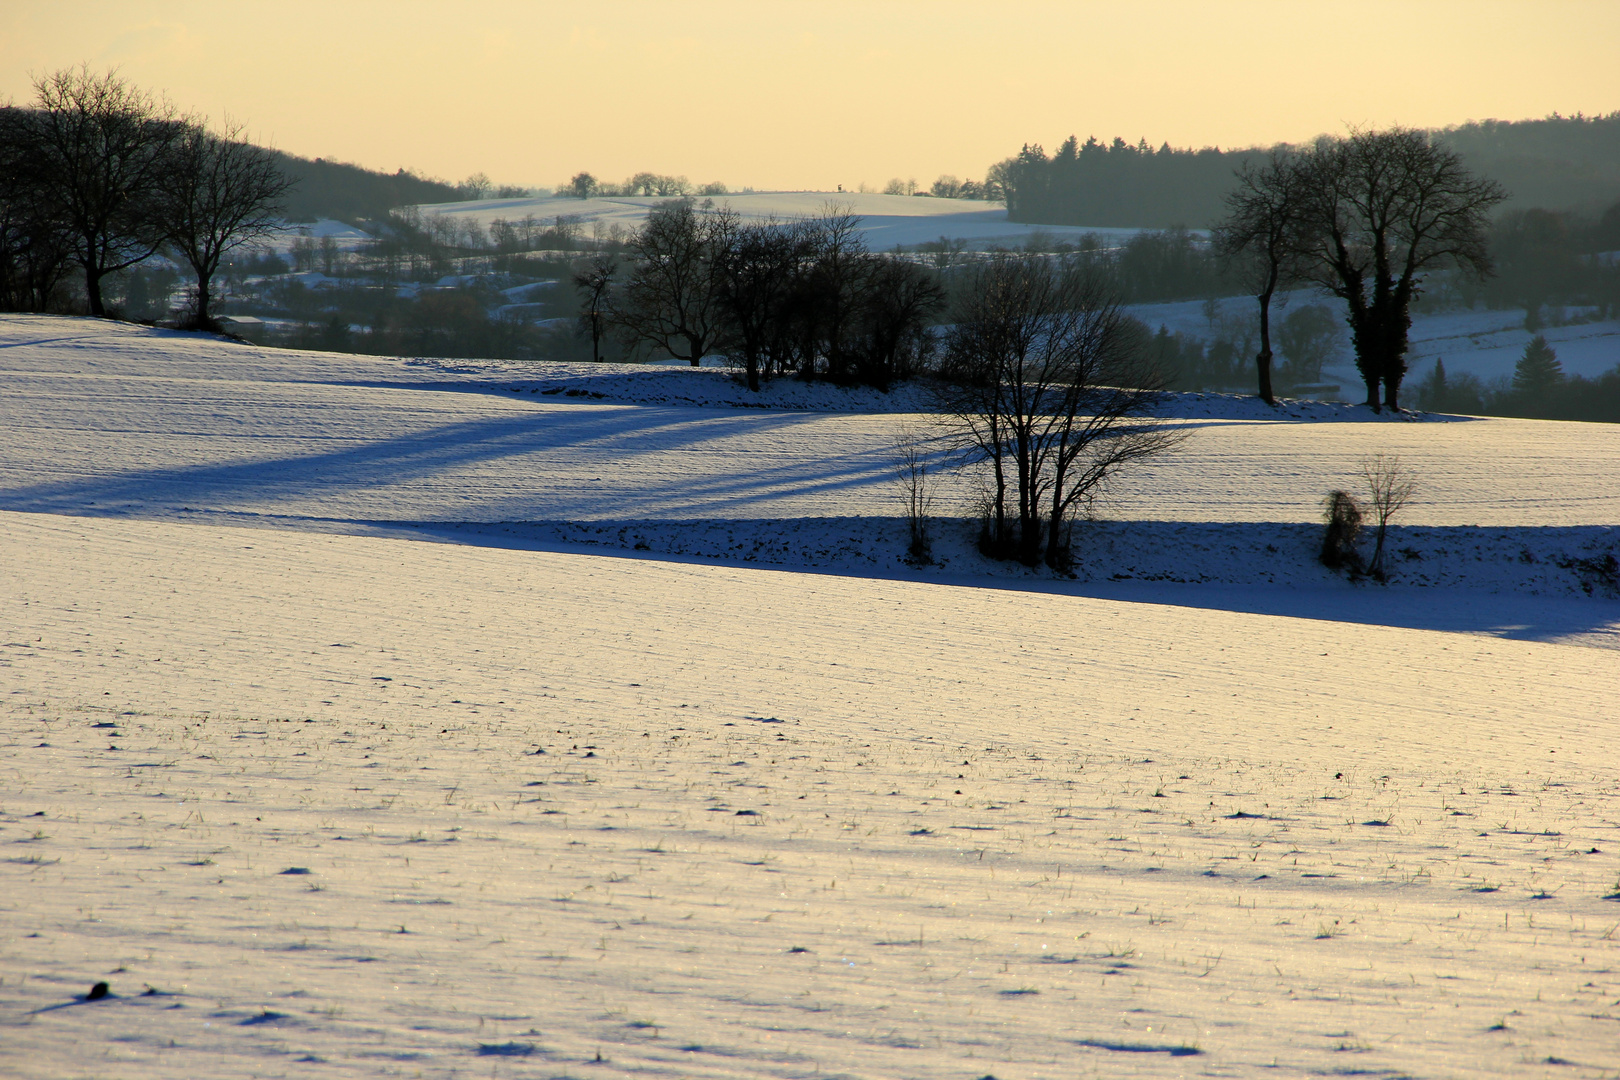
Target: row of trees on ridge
[97, 175]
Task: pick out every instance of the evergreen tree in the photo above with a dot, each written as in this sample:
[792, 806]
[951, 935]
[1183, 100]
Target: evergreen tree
[1432, 392]
[1538, 370]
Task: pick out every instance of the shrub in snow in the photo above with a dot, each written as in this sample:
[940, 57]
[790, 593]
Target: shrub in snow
[1343, 527]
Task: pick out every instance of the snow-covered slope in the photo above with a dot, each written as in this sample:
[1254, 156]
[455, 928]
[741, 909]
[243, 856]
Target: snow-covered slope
[160, 425]
[533, 802]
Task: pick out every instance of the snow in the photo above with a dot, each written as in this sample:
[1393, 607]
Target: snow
[347, 237]
[834, 816]
[691, 463]
[887, 221]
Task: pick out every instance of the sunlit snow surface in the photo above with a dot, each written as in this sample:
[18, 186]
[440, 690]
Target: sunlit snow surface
[867, 821]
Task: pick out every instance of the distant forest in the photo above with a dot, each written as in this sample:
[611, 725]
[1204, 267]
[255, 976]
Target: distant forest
[333, 189]
[1559, 163]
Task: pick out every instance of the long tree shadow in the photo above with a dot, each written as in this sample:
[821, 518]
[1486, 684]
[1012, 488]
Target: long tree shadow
[868, 547]
[607, 436]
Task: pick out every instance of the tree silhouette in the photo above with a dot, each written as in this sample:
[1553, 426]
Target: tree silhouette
[1537, 371]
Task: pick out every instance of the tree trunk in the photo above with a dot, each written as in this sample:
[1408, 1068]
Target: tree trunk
[92, 290]
[204, 320]
[1262, 361]
[1057, 553]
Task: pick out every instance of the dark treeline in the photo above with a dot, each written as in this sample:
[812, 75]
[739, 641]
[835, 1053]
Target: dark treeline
[1153, 265]
[1539, 389]
[1548, 258]
[1117, 184]
[1560, 162]
[1566, 163]
[333, 189]
[802, 298]
[97, 176]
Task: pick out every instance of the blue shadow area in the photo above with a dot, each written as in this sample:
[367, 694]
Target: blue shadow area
[1513, 615]
[615, 435]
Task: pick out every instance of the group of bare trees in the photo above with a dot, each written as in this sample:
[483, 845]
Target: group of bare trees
[1365, 217]
[98, 175]
[585, 186]
[1042, 379]
[1047, 386]
[802, 298]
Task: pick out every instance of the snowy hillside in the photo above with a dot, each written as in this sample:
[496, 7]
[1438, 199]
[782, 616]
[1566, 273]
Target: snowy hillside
[659, 761]
[150, 424]
[887, 221]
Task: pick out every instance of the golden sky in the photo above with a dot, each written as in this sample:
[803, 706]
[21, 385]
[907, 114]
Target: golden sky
[777, 94]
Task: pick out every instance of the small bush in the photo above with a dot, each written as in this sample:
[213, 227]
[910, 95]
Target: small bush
[1343, 512]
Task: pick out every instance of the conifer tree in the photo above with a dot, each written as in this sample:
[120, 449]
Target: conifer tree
[1432, 393]
[1538, 370]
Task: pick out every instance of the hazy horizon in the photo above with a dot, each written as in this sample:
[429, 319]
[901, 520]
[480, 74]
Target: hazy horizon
[803, 96]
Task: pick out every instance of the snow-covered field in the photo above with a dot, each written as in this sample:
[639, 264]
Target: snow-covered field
[315, 800]
[887, 221]
[147, 424]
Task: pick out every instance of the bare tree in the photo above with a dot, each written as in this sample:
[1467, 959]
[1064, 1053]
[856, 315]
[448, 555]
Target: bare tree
[913, 465]
[1051, 394]
[889, 337]
[35, 246]
[808, 297]
[672, 298]
[101, 149]
[1258, 239]
[834, 287]
[756, 276]
[593, 284]
[1389, 489]
[1378, 211]
[223, 192]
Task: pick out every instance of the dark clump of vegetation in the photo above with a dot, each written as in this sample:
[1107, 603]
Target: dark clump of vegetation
[1344, 515]
[1539, 389]
[804, 298]
[1571, 162]
[344, 192]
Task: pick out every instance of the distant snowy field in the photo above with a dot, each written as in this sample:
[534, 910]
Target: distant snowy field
[887, 221]
[532, 802]
[1483, 343]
